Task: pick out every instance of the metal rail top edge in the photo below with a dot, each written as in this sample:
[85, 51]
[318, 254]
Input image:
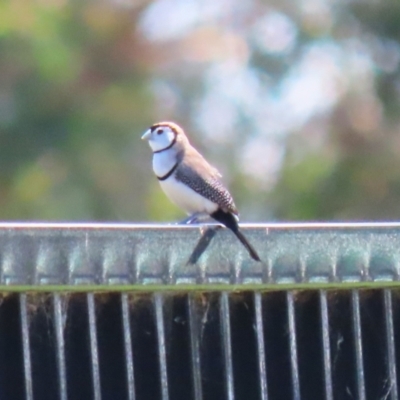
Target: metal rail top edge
[172, 225]
[110, 256]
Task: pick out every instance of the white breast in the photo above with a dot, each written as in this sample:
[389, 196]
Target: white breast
[163, 162]
[180, 194]
[186, 198]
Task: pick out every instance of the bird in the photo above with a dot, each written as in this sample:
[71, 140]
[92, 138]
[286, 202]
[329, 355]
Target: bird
[190, 181]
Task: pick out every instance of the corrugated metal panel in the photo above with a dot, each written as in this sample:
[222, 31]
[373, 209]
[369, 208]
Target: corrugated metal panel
[117, 312]
[210, 345]
[84, 256]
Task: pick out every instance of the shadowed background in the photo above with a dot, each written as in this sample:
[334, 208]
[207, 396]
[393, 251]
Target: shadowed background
[297, 103]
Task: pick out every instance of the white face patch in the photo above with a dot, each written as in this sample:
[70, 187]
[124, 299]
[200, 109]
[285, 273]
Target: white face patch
[161, 137]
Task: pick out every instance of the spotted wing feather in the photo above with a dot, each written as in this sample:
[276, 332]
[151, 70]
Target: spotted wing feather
[195, 172]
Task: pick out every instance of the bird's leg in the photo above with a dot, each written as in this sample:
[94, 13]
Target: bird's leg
[192, 219]
[188, 220]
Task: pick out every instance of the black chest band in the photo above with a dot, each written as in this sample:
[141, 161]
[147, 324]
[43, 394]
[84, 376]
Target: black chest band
[169, 173]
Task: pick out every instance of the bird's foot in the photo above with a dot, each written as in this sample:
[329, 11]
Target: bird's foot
[192, 219]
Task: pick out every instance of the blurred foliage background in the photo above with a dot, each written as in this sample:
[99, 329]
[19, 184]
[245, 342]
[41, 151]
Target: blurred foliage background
[297, 103]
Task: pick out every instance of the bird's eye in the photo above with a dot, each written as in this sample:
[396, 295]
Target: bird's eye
[159, 131]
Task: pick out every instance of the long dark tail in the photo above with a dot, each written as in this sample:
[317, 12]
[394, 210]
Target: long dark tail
[230, 222]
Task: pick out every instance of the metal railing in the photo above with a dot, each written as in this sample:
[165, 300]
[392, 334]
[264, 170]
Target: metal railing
[133, 312]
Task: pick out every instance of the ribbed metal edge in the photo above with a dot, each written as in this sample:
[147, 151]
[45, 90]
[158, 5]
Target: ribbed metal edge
[73, 257]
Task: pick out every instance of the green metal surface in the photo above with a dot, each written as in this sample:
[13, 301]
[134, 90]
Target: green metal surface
[146, 257]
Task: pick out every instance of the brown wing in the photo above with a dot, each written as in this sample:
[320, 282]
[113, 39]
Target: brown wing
[195, 172]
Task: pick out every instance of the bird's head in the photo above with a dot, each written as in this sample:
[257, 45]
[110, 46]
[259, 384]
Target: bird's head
[163, 135]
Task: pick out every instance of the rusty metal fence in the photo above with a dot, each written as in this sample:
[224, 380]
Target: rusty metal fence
[92, 311]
